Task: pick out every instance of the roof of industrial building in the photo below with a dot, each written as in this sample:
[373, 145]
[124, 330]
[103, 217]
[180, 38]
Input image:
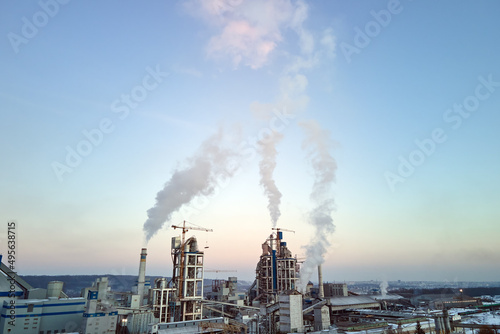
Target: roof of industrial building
[352, 301]
[387, 297]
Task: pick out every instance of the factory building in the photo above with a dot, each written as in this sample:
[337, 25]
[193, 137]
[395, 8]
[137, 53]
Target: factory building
[99, 317]
[136, 315]
[276, 270]
[160, 299]
[42, 316]
[24, 309]
[291, 319]
[335, 289]
[226, 291]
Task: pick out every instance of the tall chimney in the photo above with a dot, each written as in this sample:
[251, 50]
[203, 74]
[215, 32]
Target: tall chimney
[141, 280]
[320, 279]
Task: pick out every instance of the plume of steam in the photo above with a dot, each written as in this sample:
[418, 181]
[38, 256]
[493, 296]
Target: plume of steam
[266, 167]
[383, 288]
[320, 217]
[198, 178]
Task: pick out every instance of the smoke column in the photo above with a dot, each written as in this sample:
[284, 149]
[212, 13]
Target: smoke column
[198, 178]
[266, 167]
[383, 288]
[318, 144]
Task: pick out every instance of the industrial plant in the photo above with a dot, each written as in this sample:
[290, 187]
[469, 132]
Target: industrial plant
[272, 304]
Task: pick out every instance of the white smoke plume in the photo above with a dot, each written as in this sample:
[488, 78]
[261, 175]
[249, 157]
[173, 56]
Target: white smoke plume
[198, 178]
[324, 166]
[383, 288]
[266, 166]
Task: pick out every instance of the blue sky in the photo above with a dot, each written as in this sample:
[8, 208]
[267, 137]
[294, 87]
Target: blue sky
[408, 91]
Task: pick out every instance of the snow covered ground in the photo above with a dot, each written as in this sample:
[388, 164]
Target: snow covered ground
[487, 318]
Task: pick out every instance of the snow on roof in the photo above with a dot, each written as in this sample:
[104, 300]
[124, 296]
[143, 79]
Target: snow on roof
[487, 318]
[386, 297]
[351, 300]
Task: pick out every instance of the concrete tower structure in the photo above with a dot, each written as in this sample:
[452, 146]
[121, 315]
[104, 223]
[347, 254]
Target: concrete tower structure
[321, 292]
[187, 278]
[141, 279]
[277, 269]
[161, 299]
[291, 318]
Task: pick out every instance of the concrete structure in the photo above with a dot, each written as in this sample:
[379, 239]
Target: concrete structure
[54, 289]
[321, 291]
[335, 289]
[141, 279]
[187, 279]
[135, 311]
[321, 318]
[442, 323]
[135, 321]
[226, 291]
[24, 309]
[445, 301]
[140, 291]
[160, 299]
[291, 319]
[42, 316]
[342, 303]
[276, 271]
[212, 325]
[12, 285]
[99, 316]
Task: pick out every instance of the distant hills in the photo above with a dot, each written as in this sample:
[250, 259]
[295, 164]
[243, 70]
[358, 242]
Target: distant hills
[73, 284]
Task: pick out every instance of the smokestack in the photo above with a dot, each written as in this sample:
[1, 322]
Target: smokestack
[320, 279]
[141, 280]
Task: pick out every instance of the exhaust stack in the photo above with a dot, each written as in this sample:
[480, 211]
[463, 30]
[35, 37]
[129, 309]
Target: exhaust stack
[320, 279]
[141, 280]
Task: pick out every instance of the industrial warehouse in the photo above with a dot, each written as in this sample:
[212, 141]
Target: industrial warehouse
[272, 304]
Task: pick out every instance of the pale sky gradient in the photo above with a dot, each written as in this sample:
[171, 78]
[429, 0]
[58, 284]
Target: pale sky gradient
[383, 77]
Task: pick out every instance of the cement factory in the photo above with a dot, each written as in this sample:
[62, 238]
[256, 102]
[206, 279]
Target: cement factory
[272, 304]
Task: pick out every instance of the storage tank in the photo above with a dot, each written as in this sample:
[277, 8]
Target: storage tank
[54, 289]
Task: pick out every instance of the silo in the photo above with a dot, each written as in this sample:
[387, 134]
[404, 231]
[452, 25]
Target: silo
[54, 289]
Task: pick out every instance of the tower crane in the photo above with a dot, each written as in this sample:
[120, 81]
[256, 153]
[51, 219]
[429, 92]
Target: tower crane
[282, 229]
[185, 228]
